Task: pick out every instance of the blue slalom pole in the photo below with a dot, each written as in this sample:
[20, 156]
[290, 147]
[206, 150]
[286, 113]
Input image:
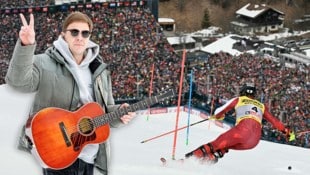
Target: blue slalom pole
[189, 105]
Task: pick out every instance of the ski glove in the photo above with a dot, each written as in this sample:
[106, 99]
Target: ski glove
[286, 132]
[289, 134]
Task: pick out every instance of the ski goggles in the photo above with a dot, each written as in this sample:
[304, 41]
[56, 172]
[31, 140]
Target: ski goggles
[75, 32]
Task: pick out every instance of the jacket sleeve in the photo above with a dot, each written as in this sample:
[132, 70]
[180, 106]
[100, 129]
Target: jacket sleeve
[229, 105]
[273, 120]
[22, 74]
[109, 99]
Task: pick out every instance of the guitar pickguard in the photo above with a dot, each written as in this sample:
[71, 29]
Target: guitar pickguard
[78, 140]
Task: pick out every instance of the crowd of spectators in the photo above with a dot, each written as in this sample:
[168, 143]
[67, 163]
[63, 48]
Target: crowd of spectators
[284, 90]
[24, 3]
[134, 46]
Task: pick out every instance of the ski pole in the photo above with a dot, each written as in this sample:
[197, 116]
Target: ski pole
[175, 130]
[302, 132]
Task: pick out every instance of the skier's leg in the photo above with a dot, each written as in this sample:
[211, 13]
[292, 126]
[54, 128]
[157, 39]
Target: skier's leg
[245, 135]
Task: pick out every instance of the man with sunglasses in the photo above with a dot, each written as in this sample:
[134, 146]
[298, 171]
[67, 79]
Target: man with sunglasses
[68, 75]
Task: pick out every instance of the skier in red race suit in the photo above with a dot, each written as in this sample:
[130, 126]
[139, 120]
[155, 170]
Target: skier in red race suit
[247, 130]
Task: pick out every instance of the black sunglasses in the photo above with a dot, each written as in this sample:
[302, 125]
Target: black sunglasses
[75, 32]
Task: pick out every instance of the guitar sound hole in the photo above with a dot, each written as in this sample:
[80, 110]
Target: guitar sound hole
[86, 126]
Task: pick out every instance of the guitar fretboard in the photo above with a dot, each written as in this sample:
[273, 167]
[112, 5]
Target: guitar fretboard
[109, 117]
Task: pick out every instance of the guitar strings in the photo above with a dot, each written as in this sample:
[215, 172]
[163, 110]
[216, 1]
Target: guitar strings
[79, 133]
[82, 126]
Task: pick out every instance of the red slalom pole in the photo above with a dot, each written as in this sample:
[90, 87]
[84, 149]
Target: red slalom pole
[179, 103]
[161, 135]
[151, 89]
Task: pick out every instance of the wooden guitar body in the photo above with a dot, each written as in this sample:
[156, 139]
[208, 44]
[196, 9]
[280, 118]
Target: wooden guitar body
[60, 135]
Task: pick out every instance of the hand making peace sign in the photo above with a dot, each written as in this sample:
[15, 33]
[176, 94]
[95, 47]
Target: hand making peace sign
[27, 33]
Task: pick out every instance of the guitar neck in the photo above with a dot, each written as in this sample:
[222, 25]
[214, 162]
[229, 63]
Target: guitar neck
[109, 117]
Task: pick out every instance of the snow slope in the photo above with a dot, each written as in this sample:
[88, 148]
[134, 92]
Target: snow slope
[131, 157]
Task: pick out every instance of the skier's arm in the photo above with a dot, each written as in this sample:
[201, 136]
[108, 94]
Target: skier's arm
[275, 122]
[220, 112]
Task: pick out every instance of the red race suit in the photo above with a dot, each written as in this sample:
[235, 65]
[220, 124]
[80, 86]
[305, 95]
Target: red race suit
[247, 130]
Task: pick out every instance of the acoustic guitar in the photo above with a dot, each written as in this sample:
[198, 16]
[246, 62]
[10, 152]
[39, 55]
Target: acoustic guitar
[59, 135]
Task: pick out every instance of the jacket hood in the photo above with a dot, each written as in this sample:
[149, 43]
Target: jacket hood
[61, 53]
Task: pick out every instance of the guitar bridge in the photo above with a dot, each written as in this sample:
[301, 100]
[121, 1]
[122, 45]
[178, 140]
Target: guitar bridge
[64, 134]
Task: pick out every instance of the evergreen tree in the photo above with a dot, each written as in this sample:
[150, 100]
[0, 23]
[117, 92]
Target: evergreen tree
[181, 5]
[206, 19]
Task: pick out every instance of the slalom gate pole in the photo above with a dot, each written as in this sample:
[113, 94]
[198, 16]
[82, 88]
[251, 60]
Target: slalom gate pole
[161, 135]
[151, 89]
[179, 103]
[212, 105]
[189, 106]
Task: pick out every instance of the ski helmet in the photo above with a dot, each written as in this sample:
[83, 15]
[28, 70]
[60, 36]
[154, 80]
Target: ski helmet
[248, 89]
